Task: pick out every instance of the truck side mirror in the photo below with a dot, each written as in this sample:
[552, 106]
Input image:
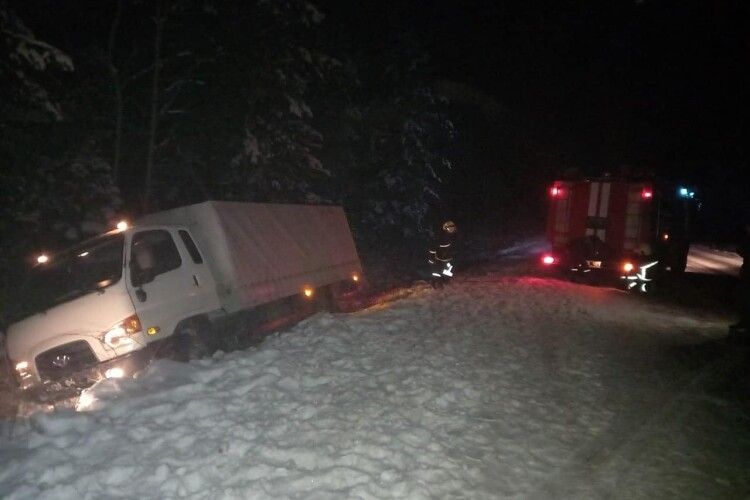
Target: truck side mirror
[142, 277]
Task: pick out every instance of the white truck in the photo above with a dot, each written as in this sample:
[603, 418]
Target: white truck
[195, 275]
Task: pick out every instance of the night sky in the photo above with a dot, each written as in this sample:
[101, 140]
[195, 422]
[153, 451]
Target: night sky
[605, 82]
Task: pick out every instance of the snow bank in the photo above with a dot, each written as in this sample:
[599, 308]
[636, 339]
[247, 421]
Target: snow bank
[487, 388]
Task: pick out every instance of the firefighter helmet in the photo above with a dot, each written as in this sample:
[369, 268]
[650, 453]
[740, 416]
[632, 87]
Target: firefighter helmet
[449, 227]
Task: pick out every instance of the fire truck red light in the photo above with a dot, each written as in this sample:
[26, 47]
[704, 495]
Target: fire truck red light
[548, 260]
[647, 194]
[556, 191]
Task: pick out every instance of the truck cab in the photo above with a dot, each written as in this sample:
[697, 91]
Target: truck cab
[92, 310]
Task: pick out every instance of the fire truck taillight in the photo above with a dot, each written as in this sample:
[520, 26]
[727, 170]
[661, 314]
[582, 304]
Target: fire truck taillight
[647, 194]
[556, 191]
[548, 259]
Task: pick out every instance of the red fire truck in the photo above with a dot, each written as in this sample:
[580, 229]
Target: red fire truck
[632, 229]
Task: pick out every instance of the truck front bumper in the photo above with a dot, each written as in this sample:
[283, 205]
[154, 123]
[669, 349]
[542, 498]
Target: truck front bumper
[120, 367]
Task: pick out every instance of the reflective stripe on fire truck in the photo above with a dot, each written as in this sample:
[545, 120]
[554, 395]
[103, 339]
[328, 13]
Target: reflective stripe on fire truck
[593, 200]
[561, 228]
[632, 218]
[604, 208]
[598, 206]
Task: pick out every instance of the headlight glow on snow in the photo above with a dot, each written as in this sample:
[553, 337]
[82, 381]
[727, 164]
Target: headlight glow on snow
[85, 401]
[115, 372]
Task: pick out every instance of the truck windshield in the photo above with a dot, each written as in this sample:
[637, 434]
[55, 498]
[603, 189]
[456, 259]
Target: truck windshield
[89, 267]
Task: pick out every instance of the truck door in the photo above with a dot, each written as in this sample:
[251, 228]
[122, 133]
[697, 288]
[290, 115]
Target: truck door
[203, 293]
[166, 285]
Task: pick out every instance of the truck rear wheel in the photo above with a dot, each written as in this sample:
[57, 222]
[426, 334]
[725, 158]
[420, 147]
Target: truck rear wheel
[325, 301]
[343, 296]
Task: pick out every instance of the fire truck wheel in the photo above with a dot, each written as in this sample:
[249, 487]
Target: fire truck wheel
[681, 265]
[574, 277]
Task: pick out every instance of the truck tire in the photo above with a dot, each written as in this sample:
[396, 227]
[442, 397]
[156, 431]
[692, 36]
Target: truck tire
[340, 297]
[193, 339]
[681, 264]
[325, 302]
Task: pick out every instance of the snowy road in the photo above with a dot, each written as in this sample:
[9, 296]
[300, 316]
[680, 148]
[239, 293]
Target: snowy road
[494, 388]
[706, 260]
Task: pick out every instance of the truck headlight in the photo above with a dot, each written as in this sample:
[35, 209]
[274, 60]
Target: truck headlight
[120, 334]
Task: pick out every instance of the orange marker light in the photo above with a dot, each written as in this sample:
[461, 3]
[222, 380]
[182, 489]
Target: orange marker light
[308, 292]
[628, 266]
[355, 277]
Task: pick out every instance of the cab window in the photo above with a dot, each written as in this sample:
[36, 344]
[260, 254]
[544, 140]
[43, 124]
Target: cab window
[152, 253]
[191, 248]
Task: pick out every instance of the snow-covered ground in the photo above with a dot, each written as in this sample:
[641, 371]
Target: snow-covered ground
[493, 387]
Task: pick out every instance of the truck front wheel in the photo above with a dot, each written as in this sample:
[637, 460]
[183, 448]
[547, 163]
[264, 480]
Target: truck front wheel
[193, 339]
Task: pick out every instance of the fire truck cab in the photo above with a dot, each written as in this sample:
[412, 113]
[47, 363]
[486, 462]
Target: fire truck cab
[632, 229]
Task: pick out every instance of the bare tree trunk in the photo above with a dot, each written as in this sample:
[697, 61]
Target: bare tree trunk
[117, 84]
[154, 108]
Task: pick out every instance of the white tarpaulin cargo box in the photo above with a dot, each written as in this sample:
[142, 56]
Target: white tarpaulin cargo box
[261, 252]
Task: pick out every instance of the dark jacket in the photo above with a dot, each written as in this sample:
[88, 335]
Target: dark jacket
[445, 246]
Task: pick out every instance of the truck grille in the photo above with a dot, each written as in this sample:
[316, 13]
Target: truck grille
[65, 360]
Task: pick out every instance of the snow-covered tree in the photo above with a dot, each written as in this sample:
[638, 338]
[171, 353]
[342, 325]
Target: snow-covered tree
[62, 199]
[390, 147]
[213, 99]
[276, 147]
[26, 67]
[409, 153]
[55, 185]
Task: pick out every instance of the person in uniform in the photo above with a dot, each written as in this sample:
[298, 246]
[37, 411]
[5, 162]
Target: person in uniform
[441, 255]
